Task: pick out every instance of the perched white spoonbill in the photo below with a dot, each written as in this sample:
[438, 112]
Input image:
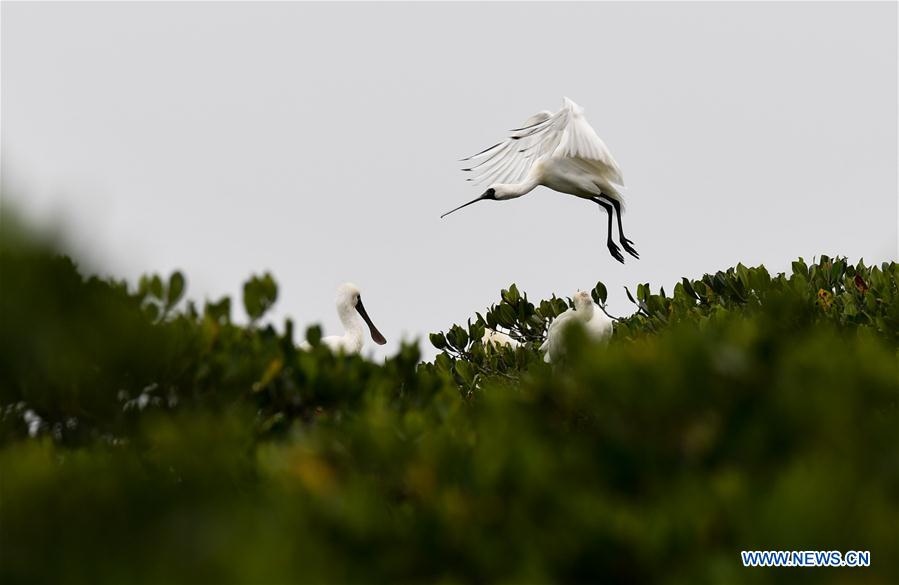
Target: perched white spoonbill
[349, 309]
[595, 322]
[498, 338]
[560, 151]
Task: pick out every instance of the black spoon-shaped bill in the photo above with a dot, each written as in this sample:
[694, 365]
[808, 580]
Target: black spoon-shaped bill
[489, 194]
[375, 334]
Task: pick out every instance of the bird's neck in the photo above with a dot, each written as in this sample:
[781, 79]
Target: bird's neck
[586, 312]
[352, 323]
[513, 190]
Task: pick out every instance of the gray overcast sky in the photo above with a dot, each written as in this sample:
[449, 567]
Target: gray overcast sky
[320, 142]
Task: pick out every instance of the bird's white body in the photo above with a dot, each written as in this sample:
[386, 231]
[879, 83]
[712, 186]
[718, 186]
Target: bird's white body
[576, 177]
[497, 339]
[560, 151]
[595, 322]
[351, 312]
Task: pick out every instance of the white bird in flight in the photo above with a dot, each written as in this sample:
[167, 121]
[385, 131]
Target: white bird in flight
[349, 309]
[560, 151]
[596, 323]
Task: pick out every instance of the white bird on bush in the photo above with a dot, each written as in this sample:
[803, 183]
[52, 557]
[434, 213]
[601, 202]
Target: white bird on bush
[560, 151]
[349, 309]
[498, 338]
[596, 323]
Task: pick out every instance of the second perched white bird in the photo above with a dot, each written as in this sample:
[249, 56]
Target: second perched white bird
[349, 309]
[560, 151]
[595, 322]
[498, 338]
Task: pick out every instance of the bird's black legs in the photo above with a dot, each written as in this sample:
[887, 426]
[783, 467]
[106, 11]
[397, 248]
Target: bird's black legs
[625, 243]
[613, 249]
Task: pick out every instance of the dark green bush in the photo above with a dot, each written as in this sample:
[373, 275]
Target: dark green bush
[144, 440]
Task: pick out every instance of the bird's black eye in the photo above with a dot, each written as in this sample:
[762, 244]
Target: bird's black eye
[490, 193]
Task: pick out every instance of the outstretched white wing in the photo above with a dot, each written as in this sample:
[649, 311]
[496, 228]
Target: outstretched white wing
[510, 160]
[580, 141]
[563, 134]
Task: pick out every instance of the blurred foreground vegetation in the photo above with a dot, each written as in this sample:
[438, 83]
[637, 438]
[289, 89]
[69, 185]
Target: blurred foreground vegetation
[144, 439]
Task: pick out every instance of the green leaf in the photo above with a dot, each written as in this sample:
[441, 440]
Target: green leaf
[559, 306]
[457, 337]
[599, 293]
[176, 288]
[438, 340]
[143, 286]
[259, 294]
[546, 309]
[491, 319]
[314, 335]
[220, 311]
[759, 278]
[507, 315]
[156, 286]
[465, 371]
[688, 286]
[476, 331]
[152, 311]
[443, 362]
[629, 295]
[511, 295]
[451, 338]
[288, 330]
[743, 274]
[721, 282]
[462, 338]
[837, 270]
[642, 291]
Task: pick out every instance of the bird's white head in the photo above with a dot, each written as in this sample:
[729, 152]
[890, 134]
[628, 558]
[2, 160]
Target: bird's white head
[503, 191]
[583, 303]
[347, 295]
[349, 299]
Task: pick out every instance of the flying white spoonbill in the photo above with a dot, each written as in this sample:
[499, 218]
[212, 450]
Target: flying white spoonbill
[560, 151]
[349, 309]
[596, 323]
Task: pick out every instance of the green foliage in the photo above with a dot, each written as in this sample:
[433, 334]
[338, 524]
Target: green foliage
[259, 294]
[159, 299]
[830, 291]
[165, 444]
